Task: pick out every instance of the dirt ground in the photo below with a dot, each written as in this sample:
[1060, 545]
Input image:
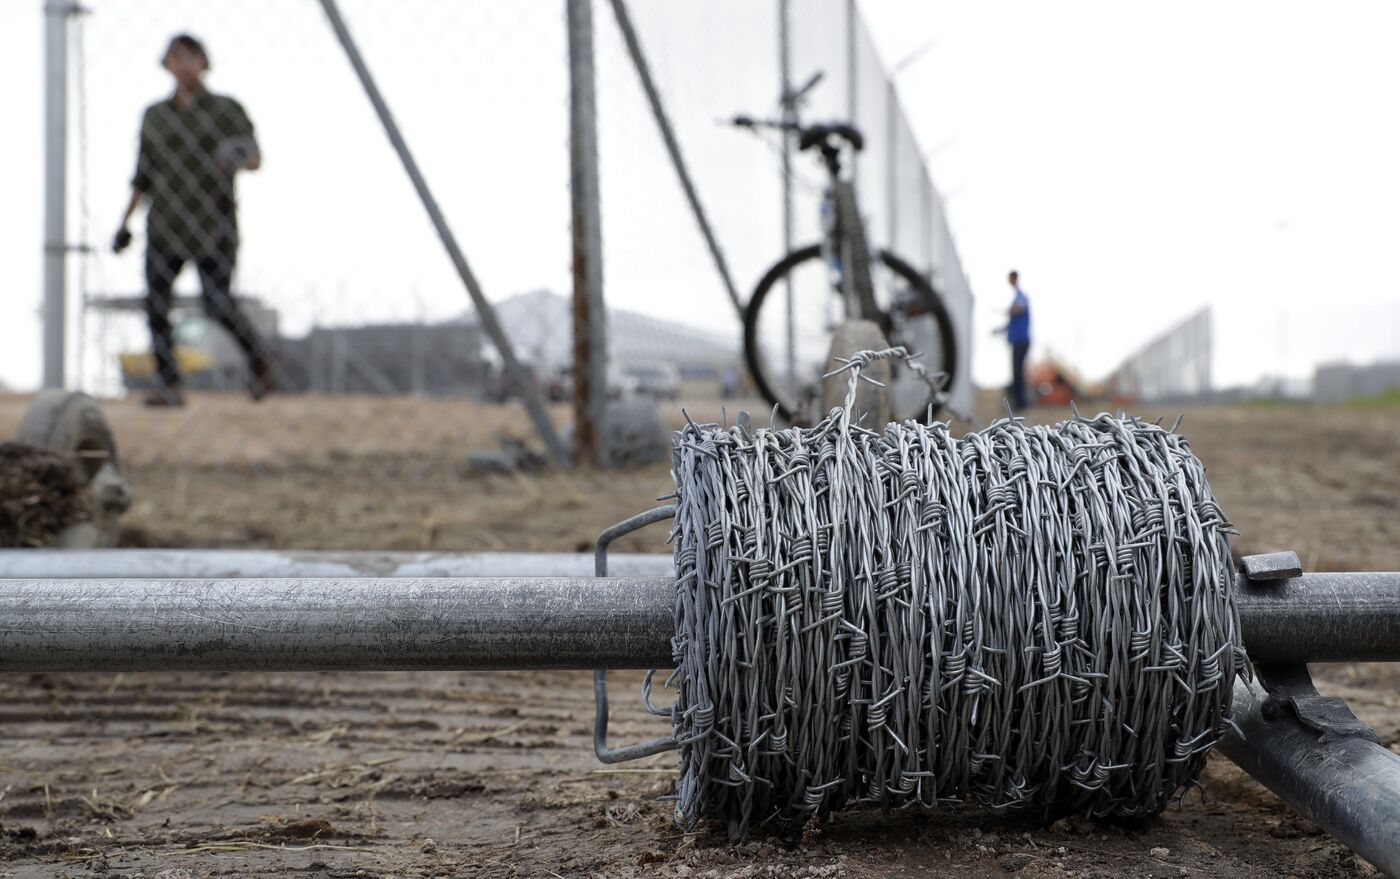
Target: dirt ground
[492, 774]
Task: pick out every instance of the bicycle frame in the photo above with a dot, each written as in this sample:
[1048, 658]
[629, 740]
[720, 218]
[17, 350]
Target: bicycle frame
[836, 240]
[848, 296]
[831, 255]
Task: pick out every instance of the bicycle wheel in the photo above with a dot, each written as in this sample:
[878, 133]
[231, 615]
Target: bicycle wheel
[792, 386]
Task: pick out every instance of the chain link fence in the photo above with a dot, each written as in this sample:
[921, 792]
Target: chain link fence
[328, 279]
[1174, 366]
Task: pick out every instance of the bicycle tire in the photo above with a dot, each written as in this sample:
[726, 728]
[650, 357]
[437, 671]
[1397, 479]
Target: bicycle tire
[932, 302]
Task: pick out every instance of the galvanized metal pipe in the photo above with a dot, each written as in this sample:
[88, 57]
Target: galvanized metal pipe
[1349, 786]
[70, 564]
[56, 15]
[1322, 618]
[335, 624]
[389, 624]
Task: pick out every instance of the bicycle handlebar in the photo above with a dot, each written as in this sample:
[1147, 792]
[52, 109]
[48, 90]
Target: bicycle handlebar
[751, 122]
[808, 136]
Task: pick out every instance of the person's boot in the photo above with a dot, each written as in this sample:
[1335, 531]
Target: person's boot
[262, 382]
[165, 397]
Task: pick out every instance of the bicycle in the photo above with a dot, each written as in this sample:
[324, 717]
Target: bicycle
[865, 299]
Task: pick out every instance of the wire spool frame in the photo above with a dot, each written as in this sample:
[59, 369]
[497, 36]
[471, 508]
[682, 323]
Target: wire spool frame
[1021, 618]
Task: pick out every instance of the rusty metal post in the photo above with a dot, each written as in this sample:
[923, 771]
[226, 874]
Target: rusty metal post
[590, 316]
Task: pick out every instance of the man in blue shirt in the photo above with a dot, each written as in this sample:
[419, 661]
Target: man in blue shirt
[1018, 334]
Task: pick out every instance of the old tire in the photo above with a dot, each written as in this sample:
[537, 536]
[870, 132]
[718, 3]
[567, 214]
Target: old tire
[70, 423]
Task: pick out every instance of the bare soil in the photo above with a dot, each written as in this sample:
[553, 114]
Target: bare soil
[492, 774]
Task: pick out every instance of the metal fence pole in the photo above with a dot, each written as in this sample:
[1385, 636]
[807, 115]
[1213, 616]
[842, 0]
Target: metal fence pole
[56, 13]
[1208, 359]
[851, 90]
[658, 112]
[317, 624]
[185, 564]
[926, 216]
[891, 167]
[523, 382]
[789, 116]
[1349, 785]
[590, 316]
[433, 622]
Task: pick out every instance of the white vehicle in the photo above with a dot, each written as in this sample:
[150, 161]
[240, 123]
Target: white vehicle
[621, 384]
[657, 379]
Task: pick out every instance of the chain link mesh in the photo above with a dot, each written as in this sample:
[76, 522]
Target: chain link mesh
[318, 268]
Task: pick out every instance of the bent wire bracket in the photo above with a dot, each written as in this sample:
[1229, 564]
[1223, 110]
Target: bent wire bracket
[600, 676]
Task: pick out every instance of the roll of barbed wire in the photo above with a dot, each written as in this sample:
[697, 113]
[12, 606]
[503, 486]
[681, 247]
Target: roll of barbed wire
[1026, 617]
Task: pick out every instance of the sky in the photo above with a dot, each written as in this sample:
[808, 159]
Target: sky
[1136, 161]
[1133, 162]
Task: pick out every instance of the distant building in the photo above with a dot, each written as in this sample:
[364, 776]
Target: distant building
[437, 359]
[540, 326]
[445, 358]
[1335, 382]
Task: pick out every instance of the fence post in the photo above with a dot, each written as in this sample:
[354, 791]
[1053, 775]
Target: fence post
[56, 13]
[891, 167]
[789, 116]
[590, 316]
[852, 101]
[529, 390]
[926, 218]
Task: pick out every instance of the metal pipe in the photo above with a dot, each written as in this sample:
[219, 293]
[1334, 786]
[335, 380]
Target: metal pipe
[1322, 618]
[1349, 786]
[926, 222]
[852, 79]
[524, 384]
[789, 109]
[335, 624]
[56, 13]
[891, 166]
[79, 564]
[392, 624]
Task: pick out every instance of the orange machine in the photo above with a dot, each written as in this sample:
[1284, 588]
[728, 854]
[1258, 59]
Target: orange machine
[1053, 382]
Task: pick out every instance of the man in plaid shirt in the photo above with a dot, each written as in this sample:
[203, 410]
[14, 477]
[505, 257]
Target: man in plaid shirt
[192, 145]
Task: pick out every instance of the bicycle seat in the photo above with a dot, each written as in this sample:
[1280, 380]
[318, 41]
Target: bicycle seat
[821, 134]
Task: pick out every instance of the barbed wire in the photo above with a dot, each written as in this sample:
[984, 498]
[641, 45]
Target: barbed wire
[1025, 617]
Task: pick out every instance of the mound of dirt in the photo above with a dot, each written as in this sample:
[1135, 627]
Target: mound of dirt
[40, 494]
